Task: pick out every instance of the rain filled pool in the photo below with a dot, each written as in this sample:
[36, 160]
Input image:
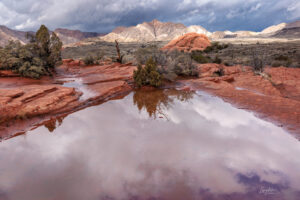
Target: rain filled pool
[161, 144]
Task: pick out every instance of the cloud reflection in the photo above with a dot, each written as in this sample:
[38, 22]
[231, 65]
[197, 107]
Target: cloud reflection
[111, 152]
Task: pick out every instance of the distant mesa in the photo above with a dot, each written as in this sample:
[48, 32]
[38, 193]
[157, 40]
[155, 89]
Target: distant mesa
[167, 31]
[72, 36]
[274, 28]
[7, 34]
[152, 31]
[67, 36]
[188, 42]
[291, 30]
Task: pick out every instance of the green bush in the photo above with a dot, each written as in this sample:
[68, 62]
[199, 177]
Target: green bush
[215, 46]
[170, 64]
[147, 75]
[217, 60]
[199, 57]
[35, 59]
[282, 58]
[89, 60]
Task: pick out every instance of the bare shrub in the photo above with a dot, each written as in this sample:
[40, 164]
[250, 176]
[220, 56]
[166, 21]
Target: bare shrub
[259, 61]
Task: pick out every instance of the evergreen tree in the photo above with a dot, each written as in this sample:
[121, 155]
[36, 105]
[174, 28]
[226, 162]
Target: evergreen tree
[43, 41]
[147, 75]
[55, 50]
[34, 59]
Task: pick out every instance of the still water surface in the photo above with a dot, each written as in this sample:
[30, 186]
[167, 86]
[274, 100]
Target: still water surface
[163, 144]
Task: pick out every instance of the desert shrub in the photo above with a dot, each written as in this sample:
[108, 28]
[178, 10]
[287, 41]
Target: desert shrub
[147, 75]
[215, 46]
[184, 66]
[89, 60]
[178, 64]
[35, 59]
[217, 60]
[282, 58]
[219, 72]
[295, 65]
[170, 76]
[199, 57]
[276, 64]
[128, 58]
[259, 61]
[170, 64]
[142, 55]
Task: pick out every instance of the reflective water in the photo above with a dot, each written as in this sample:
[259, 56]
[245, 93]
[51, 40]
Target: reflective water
[77, 83]
[153, 145]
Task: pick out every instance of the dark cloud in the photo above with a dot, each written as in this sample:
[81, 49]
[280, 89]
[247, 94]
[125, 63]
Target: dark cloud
[104, 15]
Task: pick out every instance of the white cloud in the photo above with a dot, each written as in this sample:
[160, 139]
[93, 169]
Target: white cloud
[103, 15]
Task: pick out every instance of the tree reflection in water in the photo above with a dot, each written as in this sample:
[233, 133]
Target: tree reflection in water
[53, 123]
[156, 101]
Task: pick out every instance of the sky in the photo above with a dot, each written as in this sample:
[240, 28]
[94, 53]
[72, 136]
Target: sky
[104, 15]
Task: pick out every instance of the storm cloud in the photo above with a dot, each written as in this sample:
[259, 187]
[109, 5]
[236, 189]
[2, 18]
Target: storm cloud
[104, 15]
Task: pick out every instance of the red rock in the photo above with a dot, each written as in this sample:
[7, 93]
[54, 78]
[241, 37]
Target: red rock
[188, 42]
[277, 99]
[39, 100]
[65, 61]
[6, 73]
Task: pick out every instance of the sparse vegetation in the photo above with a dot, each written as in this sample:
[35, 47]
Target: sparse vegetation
[232, 55]
[120, 57]
[170, 64]
[199, 57]
[35, 59]
[215, 46]
[258, 61]
[90, 60]
[179, 64]
[220, 72]
[217, 60]
[147, 75]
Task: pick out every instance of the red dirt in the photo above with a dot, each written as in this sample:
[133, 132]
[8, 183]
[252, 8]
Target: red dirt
[188, 42]
[277, 100]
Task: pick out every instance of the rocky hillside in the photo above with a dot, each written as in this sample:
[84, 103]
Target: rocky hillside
[152, 31]
[72, 36]
[160, 31]
[291, 30]
[267, 32]
[273, 29]
[67, 36]
[7, 34]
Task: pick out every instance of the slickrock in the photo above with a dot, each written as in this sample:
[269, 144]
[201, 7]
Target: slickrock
[26, 103]
[29, 103]
[275, 99]
[34, 100]
[5, 73]
[188, 42]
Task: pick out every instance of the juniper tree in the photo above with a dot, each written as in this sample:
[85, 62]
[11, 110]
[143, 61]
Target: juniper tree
[34, 59]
